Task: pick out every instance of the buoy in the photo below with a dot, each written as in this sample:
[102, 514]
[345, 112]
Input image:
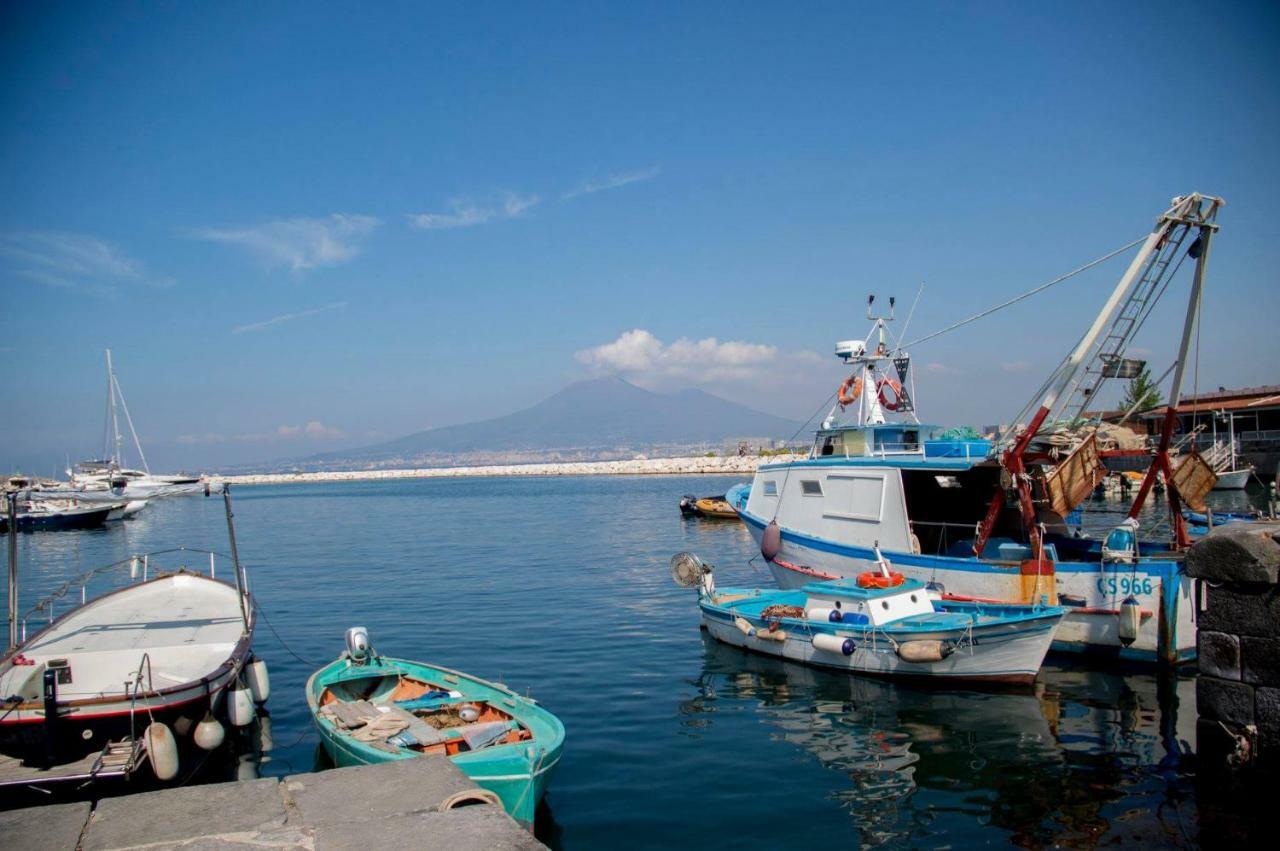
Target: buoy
[240, 706]
[772, 634]
[1130, 620]
[924, 650]
[182, 725]
[771, 541]
[834, 644]
[259, 681]
[162, 751]
[209, 733]
[822, 614]
[469, 713]
[744, 626]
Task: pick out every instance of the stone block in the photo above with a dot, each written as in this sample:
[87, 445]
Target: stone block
[1266, 711]
[1218, 654]
[1221, 700]
[1237, 552]
[56, 827]
[478, 828]
[370, 792]
[228, 810]
[1242, 610]
[1260, 660]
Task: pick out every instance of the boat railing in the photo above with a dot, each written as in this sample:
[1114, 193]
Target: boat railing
[140, 567]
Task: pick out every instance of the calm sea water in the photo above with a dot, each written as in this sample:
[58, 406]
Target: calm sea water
[559, 586]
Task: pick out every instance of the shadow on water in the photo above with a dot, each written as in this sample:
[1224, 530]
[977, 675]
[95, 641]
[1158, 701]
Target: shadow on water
[1082, 758]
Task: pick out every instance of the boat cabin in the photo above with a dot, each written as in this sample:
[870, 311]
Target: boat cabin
[874, 606]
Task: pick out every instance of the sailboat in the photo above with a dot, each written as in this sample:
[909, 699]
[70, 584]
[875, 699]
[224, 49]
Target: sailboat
[109, 472]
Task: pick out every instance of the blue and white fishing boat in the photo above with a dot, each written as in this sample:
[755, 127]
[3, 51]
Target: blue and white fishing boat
[881, 624]
[984, 520]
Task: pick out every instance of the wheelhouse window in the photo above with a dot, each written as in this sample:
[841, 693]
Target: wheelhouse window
[770, 487]
[810, 487]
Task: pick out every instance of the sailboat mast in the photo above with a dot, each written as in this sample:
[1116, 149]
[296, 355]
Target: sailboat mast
[115, 420]
[12, 509]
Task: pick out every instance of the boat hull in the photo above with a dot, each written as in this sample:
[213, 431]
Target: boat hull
[1091, 592]
[1236, 480]
[1009, 653]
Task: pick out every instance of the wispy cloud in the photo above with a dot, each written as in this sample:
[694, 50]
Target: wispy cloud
[641, 356]
[312, 430]
[299, 244]
[286, 317]
[466, 213]
[73, 261]
[613, 181]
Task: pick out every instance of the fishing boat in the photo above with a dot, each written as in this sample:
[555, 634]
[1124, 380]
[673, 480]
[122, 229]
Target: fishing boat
[880, 623]
[984, 519]
[130, 679]
[371, 708]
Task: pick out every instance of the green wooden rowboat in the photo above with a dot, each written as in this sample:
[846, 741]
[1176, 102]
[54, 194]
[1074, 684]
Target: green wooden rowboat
[378, 709]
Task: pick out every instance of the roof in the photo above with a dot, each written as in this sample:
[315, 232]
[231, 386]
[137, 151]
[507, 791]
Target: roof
[1242, 399]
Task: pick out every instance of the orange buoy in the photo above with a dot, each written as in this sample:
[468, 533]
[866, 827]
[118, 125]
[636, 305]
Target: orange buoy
[850, 390]
[876, 579]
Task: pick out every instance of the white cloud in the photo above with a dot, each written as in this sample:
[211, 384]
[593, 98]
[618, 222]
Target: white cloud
[613, 181]
[465, 213]
[286, 317]
[317, 429]
[641, 356]
[300, 244]
[73, 261]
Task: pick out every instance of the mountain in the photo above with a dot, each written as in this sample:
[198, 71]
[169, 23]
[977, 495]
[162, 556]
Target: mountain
[603, 413]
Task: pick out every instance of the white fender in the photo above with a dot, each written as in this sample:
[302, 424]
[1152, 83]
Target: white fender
[210, 733]
[834, 643]
[259, 681]
[240, 706]
[162, 751]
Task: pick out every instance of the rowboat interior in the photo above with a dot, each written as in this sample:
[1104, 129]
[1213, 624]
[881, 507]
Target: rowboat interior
[395, 711]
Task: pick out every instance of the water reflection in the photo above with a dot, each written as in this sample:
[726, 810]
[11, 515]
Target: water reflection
[1084, 758]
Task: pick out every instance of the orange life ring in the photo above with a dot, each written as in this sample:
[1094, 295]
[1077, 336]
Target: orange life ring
[892, 384]
[876, 579]
[847, 397]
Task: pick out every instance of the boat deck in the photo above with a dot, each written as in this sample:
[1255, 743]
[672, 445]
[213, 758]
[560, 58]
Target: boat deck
[187, 624]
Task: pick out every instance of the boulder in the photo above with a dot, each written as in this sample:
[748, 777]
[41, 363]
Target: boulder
[1245, 553]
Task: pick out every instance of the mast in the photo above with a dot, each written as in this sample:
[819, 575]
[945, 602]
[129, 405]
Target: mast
[115, 419]
[12, 508]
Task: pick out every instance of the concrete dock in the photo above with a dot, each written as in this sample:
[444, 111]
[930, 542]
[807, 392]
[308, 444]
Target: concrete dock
[392, 806]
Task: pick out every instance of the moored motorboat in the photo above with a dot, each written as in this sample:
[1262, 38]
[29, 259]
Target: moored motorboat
[879, 624]
[715, 507]
[370, 709]
[43, 516]
[151, 666]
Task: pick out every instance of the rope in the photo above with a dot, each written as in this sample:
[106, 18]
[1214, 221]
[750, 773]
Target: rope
[1027, 294]
[258, 608]
[473, 796]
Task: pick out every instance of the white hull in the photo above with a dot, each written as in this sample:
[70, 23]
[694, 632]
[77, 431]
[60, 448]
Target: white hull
[1236, 480]
[1014, 658]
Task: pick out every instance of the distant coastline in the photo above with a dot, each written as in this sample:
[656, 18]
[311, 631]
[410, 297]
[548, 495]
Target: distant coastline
[734, 464]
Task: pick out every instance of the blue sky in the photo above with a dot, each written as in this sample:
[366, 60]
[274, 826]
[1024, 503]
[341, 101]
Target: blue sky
[307, 226]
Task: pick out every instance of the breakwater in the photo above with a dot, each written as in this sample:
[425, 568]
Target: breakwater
[712, 466]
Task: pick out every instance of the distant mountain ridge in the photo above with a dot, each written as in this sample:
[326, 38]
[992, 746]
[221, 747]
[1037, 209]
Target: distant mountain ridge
[602, 413]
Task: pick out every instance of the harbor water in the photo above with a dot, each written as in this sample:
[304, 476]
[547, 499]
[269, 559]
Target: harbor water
[559, 587]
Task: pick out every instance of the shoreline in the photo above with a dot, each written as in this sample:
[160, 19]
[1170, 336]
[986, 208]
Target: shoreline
[637, 467]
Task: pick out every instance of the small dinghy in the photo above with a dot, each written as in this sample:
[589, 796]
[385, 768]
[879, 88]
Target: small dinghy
[707, 506]
[371, 709]
[879, 623]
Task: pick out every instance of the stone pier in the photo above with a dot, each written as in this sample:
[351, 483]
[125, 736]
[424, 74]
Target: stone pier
[1238, 644]
[389, 807]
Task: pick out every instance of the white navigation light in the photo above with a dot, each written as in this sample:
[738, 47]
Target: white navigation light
[850, 349]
